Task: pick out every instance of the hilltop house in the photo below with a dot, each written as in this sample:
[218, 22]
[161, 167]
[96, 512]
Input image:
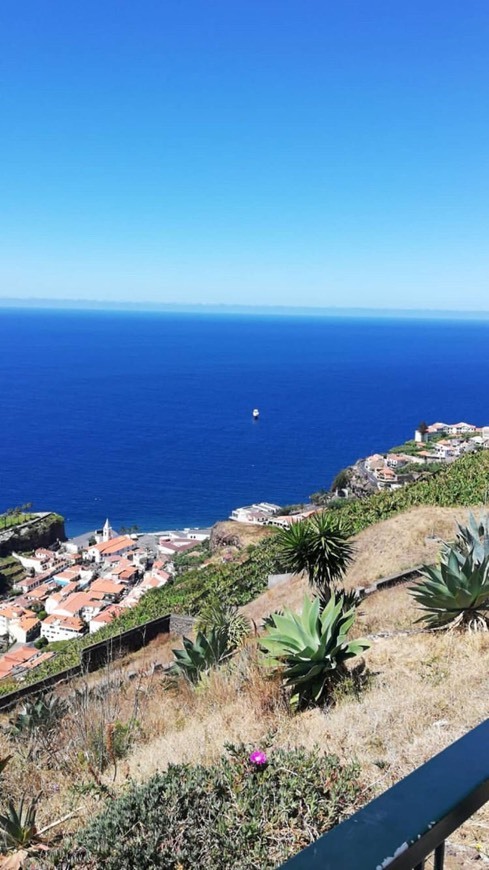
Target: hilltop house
[375, 462]
[385, 475]
[255, 514]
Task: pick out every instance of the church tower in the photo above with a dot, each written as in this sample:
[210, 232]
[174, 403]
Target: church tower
[106, 531]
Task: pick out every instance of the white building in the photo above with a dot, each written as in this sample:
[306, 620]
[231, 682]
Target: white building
[25, 628]
[255, 514]
[61, 628]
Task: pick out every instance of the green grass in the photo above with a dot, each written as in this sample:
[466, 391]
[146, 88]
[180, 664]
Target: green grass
[7, 521]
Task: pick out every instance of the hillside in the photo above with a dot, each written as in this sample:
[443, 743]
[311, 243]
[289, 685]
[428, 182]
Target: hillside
[423, 691]
[389, 547]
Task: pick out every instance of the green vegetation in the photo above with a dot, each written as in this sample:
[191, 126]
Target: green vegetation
[14, 516]
[11, 572]
[417, 468]
[230, 814]
[319, 546]
[342, 479]
[216, 615]
[191, 559]
[455, 593]
[464, 482]
[18, 825]
[312, 648]
[199, 656]
[221, 630]
[409, 447]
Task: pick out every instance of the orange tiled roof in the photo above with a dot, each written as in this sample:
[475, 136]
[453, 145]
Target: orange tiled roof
[64, 621]
[106, 586]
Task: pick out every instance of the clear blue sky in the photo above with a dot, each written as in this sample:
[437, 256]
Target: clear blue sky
[297, 152]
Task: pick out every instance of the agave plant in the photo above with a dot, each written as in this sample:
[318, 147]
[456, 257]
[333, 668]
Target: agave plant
[312, 647]
[198, 656]
[18, 825]
[455, 593]
[472, 539]
[224, 619]
[41, 714]
[320, 546]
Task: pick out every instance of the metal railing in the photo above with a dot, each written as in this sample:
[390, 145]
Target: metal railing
[411, 821]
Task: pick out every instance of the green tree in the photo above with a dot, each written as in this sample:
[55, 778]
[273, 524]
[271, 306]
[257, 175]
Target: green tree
[320, 546]
[342, 479]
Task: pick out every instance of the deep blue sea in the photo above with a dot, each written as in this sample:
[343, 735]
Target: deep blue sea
[146, 417]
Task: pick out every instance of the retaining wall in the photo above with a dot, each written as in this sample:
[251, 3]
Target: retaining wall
[99, 654]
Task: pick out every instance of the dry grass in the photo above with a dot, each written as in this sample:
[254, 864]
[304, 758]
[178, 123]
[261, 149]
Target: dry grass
[409, 539]
[425, 691]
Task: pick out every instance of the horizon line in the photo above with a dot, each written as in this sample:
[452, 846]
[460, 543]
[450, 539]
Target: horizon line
[236, 308]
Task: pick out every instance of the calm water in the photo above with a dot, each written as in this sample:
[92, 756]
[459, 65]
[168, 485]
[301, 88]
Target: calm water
[146, 418]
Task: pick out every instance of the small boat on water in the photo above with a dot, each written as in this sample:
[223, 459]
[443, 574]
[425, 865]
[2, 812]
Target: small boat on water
[255, 413]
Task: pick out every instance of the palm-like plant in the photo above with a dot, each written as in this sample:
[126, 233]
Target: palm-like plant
[455, 593]
[320, 546]
[312, 647]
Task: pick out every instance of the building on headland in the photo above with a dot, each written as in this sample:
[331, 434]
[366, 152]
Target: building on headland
[255, 514]
[434, 430]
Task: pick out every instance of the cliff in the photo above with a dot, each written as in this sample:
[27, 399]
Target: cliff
[42, 531]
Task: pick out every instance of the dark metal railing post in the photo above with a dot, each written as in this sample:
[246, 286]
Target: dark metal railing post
[439, 857]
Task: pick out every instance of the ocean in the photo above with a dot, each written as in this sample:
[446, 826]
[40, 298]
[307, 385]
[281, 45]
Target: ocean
[147, 417]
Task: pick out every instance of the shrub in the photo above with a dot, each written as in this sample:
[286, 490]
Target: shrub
[232, 814]
[313, 649]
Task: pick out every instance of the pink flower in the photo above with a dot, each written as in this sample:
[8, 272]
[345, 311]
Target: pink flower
[258, 758]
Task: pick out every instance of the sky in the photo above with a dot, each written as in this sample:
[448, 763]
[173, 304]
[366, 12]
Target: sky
[267, 152]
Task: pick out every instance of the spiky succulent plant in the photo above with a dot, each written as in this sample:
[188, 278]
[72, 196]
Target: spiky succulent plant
[312, 648]
[472, 539]
[454, 593]
[198, 656]
[226, 619]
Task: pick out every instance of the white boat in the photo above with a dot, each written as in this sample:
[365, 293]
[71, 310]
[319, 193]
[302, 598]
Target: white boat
[256, 413]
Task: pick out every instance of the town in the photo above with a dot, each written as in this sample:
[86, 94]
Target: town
[81, 586]
[431, 447]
